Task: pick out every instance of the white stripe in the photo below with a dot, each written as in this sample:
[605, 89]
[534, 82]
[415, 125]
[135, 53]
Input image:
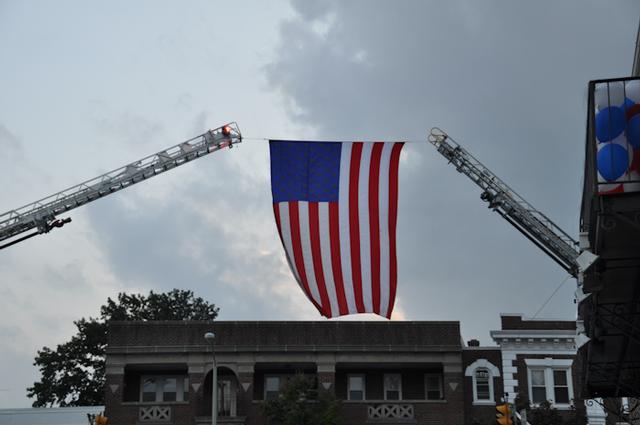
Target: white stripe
[363, 216]
[383, 206]
[305, 239]
[285, 228]
[325, 250]
[343, 218]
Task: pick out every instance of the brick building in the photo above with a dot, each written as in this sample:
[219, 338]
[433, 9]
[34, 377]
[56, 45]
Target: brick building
[539, 363]
[382, 372]
[385, 372]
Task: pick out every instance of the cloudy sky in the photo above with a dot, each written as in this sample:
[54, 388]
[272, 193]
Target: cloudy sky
[90, 86]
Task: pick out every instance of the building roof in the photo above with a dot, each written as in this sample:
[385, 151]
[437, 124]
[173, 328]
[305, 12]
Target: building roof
[516, 322]
[284, 335]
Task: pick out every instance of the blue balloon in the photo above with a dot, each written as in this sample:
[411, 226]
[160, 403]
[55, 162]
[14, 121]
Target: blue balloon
[613, 161]
[633, 131]
[610, 123]
[628, 103]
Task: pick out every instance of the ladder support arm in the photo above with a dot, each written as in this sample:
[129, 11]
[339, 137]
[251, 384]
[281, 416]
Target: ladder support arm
[41, 214]
[536, 226]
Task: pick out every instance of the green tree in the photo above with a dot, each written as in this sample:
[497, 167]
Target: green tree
[300, 403]
[74, 373]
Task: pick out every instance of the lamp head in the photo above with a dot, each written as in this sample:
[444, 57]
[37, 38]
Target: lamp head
[210, 336]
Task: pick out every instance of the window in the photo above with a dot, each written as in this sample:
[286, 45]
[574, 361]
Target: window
[355, 387]
[482, 373]
[164, 388]
[538, 386]
[561, 386]
[226, 397]
[483, 387]
[148, 389]
[392, 386]
[271, 387]
[433, 386]
[550, 379]
[170, 389]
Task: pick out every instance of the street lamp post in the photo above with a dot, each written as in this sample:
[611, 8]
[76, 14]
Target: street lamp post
[210, 337]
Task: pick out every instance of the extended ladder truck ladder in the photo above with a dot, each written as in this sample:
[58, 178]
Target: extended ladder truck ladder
[536, 226]
[42, 215]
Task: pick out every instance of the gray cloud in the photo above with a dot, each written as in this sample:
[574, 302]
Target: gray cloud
[510, 92]
[213, 232]
[507, 80]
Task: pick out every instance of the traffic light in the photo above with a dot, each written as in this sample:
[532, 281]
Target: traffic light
[101, 420]
[503, 415]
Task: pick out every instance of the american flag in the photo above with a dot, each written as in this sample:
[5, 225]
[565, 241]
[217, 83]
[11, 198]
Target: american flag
[335, 205]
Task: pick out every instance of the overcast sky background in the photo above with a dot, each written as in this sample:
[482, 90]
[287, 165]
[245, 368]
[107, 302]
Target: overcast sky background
[86, 87]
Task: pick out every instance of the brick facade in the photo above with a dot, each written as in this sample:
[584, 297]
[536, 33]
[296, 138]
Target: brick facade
[145, 358]
[409, 372]
[481, 412]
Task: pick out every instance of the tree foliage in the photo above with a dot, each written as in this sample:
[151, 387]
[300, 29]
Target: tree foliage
[74, 373]
[300, 403]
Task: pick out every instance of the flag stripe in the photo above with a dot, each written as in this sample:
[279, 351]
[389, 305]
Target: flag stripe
[314, 239]
[393, 212]
[363, 218]
[354, 227]
[325, 254]
[383, 210]
[344, 197]
[374, 225]
[285, 228]
[307, 259]
[276, 213]
[296, 244]
[336, 263]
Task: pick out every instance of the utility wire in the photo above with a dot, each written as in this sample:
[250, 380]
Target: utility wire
[551, 296]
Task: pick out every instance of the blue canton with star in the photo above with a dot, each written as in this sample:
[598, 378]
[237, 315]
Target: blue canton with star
[305, 171]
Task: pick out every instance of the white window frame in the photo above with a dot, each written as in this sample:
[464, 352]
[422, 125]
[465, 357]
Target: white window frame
[266, 377]
[494, 372]
[489, 384]
[440, 382]
[181, 380]
[549, 365]
[530, 371]
[384, 385]
[364, 385]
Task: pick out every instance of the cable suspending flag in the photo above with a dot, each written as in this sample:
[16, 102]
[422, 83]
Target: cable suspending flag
[335, 205]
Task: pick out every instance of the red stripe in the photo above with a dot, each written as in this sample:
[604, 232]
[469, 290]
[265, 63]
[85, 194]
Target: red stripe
[374, 224]
[294, 220]
[276, 213]
[354, 226]
[393, 212]
[316, 255]
[336, 262]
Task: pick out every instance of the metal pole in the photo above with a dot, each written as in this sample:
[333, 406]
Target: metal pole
[210, 337]
[214, 390]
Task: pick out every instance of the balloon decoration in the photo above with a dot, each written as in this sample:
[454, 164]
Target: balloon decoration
[617, 131]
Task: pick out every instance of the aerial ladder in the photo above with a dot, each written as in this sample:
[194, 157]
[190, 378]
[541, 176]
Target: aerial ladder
[43, 215]
[533, 224]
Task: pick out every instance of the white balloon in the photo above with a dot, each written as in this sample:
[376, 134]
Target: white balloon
[609, 94]
[632, 89]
